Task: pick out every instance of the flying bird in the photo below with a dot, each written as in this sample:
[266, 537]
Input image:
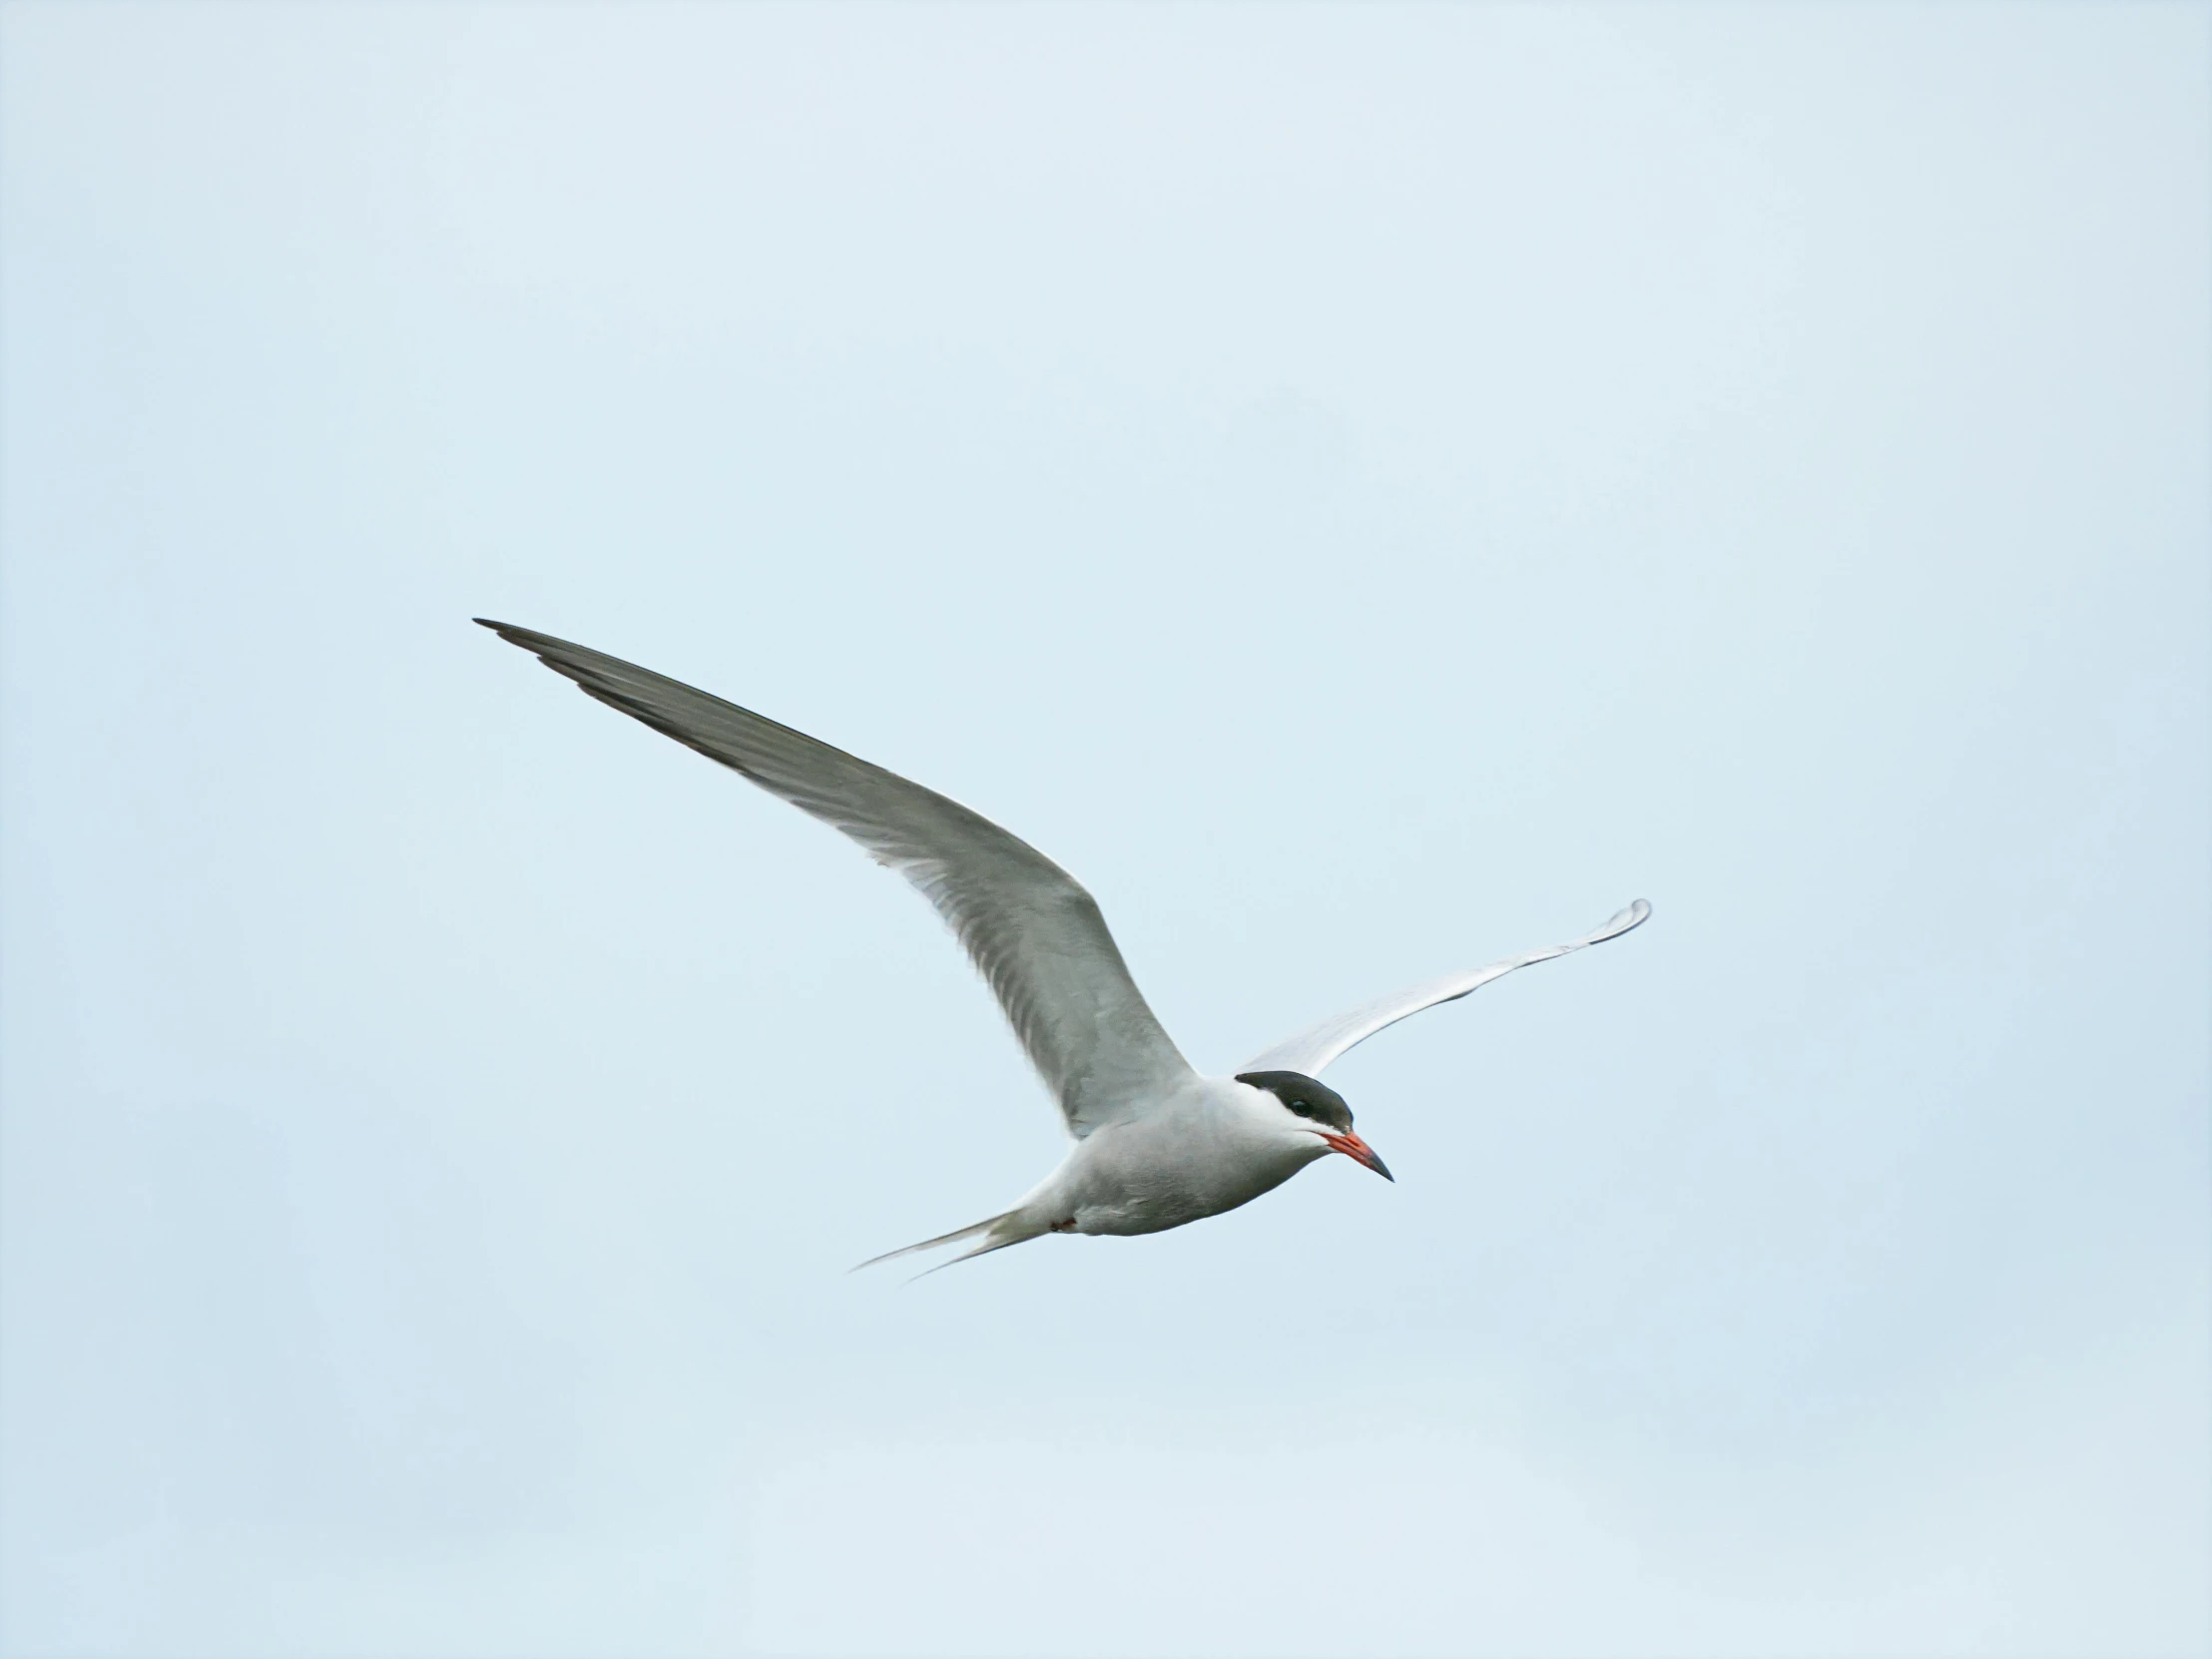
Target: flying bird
[1156, 1144]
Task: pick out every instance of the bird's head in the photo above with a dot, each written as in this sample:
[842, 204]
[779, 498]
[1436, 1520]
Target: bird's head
[1315, 1108]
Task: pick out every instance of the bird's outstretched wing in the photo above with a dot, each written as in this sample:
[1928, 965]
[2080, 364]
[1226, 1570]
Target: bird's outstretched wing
[1315, 1047]
[1029, 925]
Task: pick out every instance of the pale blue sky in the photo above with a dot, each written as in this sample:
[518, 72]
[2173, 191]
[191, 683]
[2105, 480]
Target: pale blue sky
[1369, 490]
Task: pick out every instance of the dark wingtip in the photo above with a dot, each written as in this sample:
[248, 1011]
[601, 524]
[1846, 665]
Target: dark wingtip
[528, 638]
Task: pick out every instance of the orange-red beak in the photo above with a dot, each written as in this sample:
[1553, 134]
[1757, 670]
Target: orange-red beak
[1353, 1147]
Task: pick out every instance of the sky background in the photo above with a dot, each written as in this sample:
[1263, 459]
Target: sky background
[1369, 490]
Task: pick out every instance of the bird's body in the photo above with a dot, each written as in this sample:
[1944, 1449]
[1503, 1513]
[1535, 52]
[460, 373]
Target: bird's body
[1209, 1145]
[1157, 1145]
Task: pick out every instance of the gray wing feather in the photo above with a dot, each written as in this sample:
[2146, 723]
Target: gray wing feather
[1315, 1047]
[1031, 928]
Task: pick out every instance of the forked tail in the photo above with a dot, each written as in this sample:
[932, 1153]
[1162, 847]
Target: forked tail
[997, 1233]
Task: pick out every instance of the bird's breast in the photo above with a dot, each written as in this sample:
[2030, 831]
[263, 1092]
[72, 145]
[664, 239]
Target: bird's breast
[1152, 1174]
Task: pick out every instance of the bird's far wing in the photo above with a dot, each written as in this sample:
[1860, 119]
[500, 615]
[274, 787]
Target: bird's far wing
[1034, 932]
[1315, 1047]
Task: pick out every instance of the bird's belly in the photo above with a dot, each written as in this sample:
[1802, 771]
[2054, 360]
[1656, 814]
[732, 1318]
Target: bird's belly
[1136, 1190]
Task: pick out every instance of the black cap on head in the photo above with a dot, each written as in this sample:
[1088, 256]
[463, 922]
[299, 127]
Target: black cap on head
[1302, 1095]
